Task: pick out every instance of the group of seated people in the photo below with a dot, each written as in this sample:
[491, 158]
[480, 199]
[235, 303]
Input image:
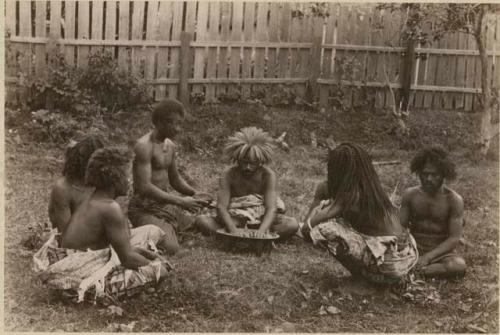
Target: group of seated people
[97, 249]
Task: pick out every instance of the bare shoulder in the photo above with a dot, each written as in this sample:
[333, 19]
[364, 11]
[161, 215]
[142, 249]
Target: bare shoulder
[61, 187]
[268, 172]
[411, 192]
[143, 146]
[454, 198]
[110, 210]
[322, 188]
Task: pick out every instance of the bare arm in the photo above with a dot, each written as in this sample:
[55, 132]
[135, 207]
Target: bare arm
[116, 230]
[223, 199]
[455, 230]
[176, 180]
[269, 200]
[319, 195]
[404, 211]
[59, 208]
[142, 177]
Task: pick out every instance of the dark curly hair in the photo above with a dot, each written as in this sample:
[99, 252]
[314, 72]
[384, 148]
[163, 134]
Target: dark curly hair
[78, 155]
[437, 156]
[165, 108]
[104, 168]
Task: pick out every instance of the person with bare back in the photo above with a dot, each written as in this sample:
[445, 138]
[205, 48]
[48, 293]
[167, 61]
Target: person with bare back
[434, 213]
[154, 171]
[70, 190]
[98, 252]
[247, 194]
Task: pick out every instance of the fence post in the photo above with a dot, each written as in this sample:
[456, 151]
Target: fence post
[406, 77]
[185, 67]
[313, 85]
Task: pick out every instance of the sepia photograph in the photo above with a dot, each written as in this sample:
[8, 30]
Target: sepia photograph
[251, 166]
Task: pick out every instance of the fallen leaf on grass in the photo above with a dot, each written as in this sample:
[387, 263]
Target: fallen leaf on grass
[114, 327]
[333, 310]
[465, 308]
[322, 310]
[437, 323]
[476, 329]
[115, 310]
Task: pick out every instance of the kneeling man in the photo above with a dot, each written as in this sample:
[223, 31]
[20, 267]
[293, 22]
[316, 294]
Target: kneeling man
[247, 195]
[434, 214]
[98, 251]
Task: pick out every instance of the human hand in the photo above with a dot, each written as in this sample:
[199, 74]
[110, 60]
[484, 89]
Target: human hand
[423, 261]
[191, 204]
[203, 197]
[324, 213]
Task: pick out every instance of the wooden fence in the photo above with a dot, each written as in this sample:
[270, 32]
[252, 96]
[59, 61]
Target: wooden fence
[221, 48]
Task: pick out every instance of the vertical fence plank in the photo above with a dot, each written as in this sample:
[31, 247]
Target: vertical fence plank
[460, 72]
[236, 35]
[83, 33]
[248, 22]
[69, 30]
[137, 34]
[55, 19]
[295, 36]
[40, 30]
[273, 34]
[470, 72]
[110, 29]
[25, 31]
[173, 66]
[185, 66]
[261, 36]
[165, 18]
[151, 52]
[284, 36]
[222, 65]
[11, 65]
[123, 34]
[324, 90]
[450, 76]
[304, 58]
[97, 20]
[200, 52]
[213, 34]
[496, 59]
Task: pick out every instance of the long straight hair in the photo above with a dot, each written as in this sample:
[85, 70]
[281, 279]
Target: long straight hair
[353, 180]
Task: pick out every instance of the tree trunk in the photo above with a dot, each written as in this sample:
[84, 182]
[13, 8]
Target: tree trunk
[485, 100]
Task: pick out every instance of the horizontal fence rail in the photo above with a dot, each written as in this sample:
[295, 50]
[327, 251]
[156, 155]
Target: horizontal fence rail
[218, 48]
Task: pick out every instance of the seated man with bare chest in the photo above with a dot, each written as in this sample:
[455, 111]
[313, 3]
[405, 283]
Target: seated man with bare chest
[98, 250]
[70, 190]
[434, 214]
[247, 194]
[154, 170]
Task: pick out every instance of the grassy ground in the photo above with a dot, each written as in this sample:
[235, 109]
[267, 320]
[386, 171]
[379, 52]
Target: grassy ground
[282, 291]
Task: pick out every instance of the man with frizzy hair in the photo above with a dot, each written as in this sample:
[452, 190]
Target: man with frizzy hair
[98, 250]
[247, 192]
[434, 213]
[155, 169]
[70, 190]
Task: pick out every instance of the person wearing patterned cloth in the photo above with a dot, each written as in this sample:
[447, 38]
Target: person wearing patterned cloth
[247, 194]
[98, 252]
[434, 214]
[155, 168]
[358, 224]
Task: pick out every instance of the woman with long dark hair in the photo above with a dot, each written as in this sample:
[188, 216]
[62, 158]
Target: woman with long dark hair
[354, 218]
